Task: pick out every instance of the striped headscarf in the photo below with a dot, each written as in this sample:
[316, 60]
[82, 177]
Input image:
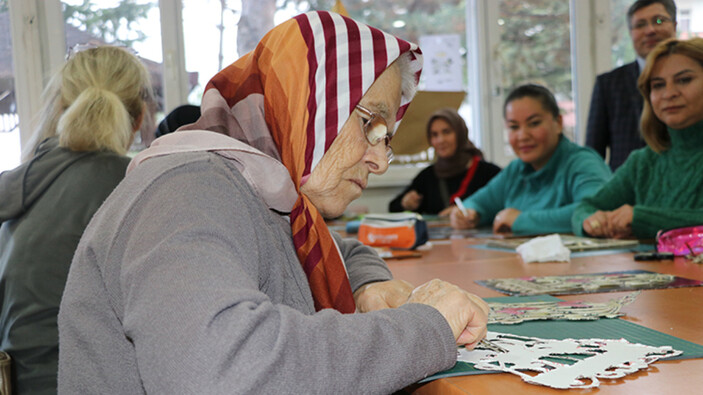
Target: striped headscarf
[289, 98]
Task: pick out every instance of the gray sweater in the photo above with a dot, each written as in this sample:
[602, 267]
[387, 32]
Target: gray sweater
[185, 283]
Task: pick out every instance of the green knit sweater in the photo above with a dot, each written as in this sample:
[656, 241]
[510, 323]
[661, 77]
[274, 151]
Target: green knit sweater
[665, 189]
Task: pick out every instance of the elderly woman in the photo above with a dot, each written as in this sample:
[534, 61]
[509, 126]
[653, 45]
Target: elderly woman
[94, 106]
[538, 192]
[659, 186]
[459, 171]
[211, 270]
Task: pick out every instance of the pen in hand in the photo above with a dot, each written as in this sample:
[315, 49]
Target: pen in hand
[461, 206]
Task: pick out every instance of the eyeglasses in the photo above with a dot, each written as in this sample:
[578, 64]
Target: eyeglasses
[655, 22]
[376, 129]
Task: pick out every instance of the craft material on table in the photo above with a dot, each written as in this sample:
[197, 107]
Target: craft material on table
[573, 243]
[565, 363]
[515, 313]
[629, 280]
[565, 329]
[544, 249]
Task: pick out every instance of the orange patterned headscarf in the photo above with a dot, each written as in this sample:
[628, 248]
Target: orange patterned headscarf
[289, 99]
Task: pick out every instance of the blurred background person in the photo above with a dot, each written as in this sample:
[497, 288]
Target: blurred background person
[616, 105]
[93, 108]
[458, 172]
[537, 192]
[659, 186]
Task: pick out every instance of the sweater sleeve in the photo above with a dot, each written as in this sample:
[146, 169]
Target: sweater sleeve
[647, 221]
[583, 175]
[195, 309]
[616, 192]
[362, 262]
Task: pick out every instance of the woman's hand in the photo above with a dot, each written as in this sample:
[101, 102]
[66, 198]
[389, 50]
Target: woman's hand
[614, 224]
[447, 211]
[382, 295]
[411, 201]
[460, 221]
[620, 221]
[503, 222]
[466, 313]
[597, 224]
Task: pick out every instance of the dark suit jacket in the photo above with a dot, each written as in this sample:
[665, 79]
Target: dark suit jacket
[614, 117]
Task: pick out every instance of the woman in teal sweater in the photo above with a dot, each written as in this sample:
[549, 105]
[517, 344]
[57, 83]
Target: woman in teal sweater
[537, 192]
[659, 186]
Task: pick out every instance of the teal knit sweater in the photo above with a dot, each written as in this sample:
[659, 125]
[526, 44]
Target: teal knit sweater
[546, 198]
[665, 189]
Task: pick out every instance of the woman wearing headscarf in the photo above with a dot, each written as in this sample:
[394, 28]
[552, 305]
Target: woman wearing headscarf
[659, 186]
[458, 172]
[211, 270]
[93, 107]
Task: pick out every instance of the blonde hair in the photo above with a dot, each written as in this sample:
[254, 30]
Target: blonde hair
[95, 102]
[653, 129]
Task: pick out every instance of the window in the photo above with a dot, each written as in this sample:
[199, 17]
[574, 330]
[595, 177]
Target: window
[9, 130]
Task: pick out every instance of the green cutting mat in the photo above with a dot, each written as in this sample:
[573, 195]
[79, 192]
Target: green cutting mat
[604, 328]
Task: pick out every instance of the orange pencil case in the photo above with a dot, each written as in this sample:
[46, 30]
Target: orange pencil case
[397, 230]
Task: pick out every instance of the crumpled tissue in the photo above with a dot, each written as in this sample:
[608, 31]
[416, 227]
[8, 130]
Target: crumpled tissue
[544, 249]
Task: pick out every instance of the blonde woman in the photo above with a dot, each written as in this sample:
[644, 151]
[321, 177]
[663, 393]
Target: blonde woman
[94, 105]
[659, 186]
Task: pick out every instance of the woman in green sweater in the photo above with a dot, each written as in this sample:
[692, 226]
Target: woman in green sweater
[659, 186]
[537, 192]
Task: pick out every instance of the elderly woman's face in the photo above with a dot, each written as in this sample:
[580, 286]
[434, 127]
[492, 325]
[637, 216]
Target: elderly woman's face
[533, 131]
[676, 91]
[342, 173]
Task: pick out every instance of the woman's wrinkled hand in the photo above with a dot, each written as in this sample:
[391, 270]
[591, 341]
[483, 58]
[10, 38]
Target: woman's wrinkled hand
[382, 295]
[466, 313]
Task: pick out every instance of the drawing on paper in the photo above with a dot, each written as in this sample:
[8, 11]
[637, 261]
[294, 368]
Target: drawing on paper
[564, 364]
[630, 280]
[515, 313]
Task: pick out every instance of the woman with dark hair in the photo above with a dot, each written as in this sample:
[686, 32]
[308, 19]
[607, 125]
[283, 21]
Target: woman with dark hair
[659, 186]
[538, 191]
[459, 171]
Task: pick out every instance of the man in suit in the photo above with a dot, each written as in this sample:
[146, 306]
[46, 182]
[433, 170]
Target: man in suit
[616, 104]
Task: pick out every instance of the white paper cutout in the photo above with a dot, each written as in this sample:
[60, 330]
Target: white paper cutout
[568, 363]
[515, 313]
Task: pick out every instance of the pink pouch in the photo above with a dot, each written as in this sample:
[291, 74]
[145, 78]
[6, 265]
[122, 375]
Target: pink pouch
[681, 241]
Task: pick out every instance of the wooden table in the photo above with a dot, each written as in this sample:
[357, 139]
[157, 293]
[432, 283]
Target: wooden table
[677, 312]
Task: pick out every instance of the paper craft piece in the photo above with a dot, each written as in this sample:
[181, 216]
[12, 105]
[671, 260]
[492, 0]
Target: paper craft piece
[565, 364]
[573, 243]
[544, 249]
[515, 313]
[630, 280]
